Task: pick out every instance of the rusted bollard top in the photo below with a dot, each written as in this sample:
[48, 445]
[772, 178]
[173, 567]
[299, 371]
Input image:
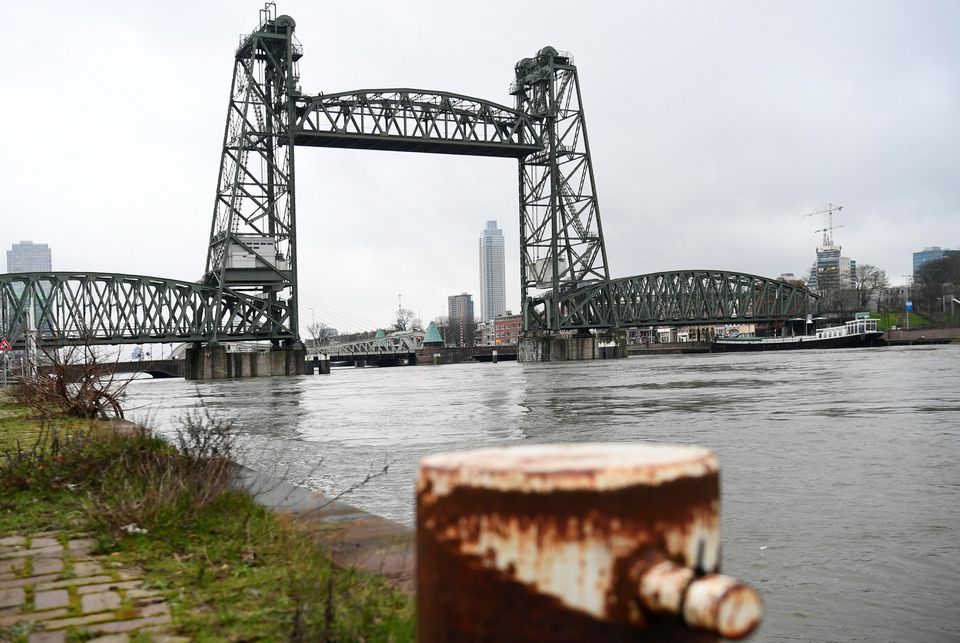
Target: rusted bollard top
[578, 525]
[544, 468]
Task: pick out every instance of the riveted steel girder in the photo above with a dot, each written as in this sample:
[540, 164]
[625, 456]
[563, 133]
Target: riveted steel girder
[676, 297]
[64, 308]
[415, 120]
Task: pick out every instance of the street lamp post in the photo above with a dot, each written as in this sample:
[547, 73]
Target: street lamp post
[908, 303]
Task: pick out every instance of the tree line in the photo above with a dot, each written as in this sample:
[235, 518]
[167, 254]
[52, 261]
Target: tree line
[935, 284]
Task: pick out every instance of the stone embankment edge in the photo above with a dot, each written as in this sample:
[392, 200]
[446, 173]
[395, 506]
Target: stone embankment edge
[353, 537]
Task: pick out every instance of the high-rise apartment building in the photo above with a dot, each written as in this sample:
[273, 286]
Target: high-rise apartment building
[28, 256]
[461, 322]
[460, 307]
[493, 298]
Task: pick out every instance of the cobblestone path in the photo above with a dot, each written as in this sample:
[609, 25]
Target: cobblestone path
[52, 587]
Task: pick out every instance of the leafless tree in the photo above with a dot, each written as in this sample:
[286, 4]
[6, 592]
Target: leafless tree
[73, 381]
[407, 320]
[318, 333]
[459, 332]
[838, 302]
[868, 282]
[933, 280]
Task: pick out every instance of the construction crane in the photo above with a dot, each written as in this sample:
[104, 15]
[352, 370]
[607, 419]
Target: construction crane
[828, 231]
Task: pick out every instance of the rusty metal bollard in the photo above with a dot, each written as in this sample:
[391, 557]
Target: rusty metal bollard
[575, 543]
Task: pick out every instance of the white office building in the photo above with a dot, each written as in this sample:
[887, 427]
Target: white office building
[28, 256]
[493, 298]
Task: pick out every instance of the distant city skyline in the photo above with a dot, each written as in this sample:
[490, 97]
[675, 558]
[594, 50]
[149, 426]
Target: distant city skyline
[27, 256]
[493, 302]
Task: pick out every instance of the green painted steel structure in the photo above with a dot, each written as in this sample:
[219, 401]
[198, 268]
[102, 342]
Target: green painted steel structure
[249, 287]
[681, 297]
[415, 120]
[64, 308]
[561, 237]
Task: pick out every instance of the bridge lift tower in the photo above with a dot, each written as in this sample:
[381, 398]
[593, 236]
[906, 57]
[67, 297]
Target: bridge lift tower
[561, 236]
[253, 235]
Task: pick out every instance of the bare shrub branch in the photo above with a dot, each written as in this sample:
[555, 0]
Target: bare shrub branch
[74, 383]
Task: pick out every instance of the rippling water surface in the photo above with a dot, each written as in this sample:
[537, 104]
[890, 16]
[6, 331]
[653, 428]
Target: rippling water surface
[840, 487]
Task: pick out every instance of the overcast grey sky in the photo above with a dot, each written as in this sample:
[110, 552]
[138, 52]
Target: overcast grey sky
[714, 126]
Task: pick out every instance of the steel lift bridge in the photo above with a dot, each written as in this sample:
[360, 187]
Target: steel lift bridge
[249, 287]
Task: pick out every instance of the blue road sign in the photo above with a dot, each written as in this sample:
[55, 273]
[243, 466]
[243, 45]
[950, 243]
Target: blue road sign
[908, 305]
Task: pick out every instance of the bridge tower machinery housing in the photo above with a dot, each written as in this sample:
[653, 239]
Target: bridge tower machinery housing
[253, 247]
[561, 236]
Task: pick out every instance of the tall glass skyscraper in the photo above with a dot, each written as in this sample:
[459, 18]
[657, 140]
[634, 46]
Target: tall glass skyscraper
[493, 298]
[28, 256]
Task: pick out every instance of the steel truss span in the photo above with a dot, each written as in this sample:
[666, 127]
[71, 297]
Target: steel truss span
[677, 297]
[63, 308]
[415, 120]
[395, 343]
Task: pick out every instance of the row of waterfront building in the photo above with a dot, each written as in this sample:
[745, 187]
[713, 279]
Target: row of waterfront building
[833, 270]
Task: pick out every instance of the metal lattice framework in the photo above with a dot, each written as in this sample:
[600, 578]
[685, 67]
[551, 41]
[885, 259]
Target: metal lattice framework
[63, 308]
[415, 120]
[560, 232]
[253, 245]
[677, 297]
[401, 342]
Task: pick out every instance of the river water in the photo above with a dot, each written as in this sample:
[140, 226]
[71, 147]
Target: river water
[839, 469]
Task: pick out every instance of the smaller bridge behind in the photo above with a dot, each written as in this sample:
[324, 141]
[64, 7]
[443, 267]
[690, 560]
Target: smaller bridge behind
[156, 368]
[384, 350]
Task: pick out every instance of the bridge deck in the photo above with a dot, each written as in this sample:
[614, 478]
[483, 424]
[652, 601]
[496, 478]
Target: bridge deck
[413, 144]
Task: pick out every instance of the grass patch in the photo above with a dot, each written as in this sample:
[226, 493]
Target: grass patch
[898, 319]
[239, 574]
[229, 569]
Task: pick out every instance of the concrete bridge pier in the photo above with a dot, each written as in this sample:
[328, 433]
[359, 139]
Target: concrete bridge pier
[548, 347]
[214, 362]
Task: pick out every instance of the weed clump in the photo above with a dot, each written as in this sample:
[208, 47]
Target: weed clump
[126, 475]
[168, 486]
[64, 454]
[72, 383]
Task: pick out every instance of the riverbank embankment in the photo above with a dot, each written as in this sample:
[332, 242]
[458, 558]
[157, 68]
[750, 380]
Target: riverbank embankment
[352, 537]
[922, 336]
[105, 531]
